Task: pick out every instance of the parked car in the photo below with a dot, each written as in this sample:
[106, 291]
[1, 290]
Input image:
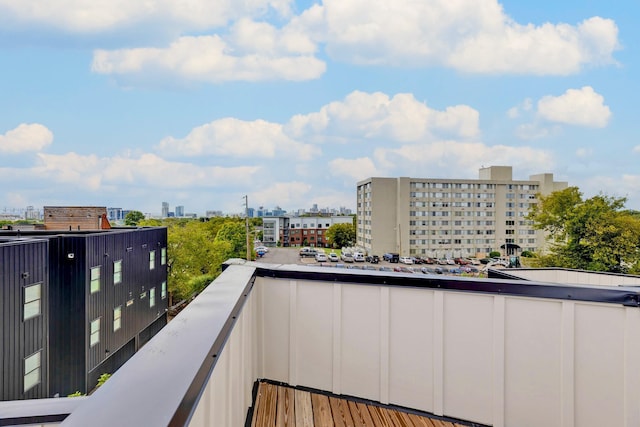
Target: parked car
[321, 257]
[391, 257]
[358, 257]
[307, 252]
[373, 259]
[333, 257]
[384, 268]
[261, 249]
[346, 257]
[406, 260]
[461, 261]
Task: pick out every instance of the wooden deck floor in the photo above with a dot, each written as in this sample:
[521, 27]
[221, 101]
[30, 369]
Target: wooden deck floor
[285, 406]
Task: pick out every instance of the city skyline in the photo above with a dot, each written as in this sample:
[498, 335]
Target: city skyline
[296, 101]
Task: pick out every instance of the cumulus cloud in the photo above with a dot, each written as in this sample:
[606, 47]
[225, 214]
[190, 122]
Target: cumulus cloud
[355, 169]
[444, 156]
[474, 36]
[376, 115]
[26, 137]
[580, 107]
[92, 172]
[294, 193]
[87, 16]
[211, 59]
[238, 138]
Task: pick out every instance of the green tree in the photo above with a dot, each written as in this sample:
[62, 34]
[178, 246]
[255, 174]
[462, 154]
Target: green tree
[133, 218]
[235, 234]
[593, 234]
[340, 235]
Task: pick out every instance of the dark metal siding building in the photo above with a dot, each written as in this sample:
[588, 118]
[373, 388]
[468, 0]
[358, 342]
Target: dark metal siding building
[23, 319]
[107, 295]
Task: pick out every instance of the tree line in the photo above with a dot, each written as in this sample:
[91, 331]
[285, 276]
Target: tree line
[597, 233]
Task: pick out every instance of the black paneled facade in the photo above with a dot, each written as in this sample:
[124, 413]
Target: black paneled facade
[104, 294]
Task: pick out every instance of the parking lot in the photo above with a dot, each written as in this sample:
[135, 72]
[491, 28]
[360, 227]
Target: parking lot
[292, 256]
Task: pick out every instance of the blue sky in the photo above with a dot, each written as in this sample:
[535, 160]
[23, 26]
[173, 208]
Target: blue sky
[201, 102]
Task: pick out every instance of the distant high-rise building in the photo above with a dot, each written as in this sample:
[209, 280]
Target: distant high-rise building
[115, 214]
[251, 212]
[437, 217]
[179, 211]
[165, 209]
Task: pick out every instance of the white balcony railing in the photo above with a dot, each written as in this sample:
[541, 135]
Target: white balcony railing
[493, 352]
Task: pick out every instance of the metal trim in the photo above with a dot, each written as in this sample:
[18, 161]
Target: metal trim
[623, 295]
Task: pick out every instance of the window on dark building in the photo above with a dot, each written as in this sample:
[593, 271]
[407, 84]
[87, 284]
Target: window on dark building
[32, 301]
[32, 366]
[95, 279]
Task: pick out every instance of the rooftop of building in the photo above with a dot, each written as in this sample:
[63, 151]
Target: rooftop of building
[484, 351]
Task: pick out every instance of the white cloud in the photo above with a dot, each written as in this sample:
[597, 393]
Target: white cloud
[376, 115]
[355, 169]
[581, 107]
[294, 193]
[88, 16]
[26, 137]
[636, 149]
[514, 112]
[211, 59]
[440, 158]
[93, 173]
[474, 36]
[238, 138]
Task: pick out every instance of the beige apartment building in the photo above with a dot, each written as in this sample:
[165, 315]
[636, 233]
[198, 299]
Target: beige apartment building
[446, 218]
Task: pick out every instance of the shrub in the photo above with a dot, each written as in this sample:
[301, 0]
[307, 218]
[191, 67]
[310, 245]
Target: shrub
[494, 254]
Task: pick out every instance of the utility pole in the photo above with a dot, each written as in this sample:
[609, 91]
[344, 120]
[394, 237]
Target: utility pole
[246, 222]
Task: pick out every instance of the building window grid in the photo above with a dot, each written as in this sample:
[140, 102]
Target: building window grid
[32, 367]
[117, 318]
[95, 279]
[117, 272]
[94, 332]
[152, 260]
[32, 301]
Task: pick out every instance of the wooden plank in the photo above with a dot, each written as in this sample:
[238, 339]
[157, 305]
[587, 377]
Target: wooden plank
[360, 414]
[265, 409]
[257, 406]
[401, 419]
[341, 414]
[378, 416]
[421, 421]
[304, 411]
[286, 407]
[321, 410]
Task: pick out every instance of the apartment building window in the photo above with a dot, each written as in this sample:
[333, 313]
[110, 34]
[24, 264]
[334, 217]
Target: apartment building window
[163, 256]
[510, 205]
[457, 241]
[510, 213]
[510, 222]
[32, 301]
[117, 272]
[152, 297]
[510, 232]
[94, 332]
[117, 318]
[152, 260]
[95, 279]
[32, 366]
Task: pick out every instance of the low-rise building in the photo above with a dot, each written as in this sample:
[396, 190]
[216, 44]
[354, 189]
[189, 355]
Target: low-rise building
[300, 230]
[76, 305]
